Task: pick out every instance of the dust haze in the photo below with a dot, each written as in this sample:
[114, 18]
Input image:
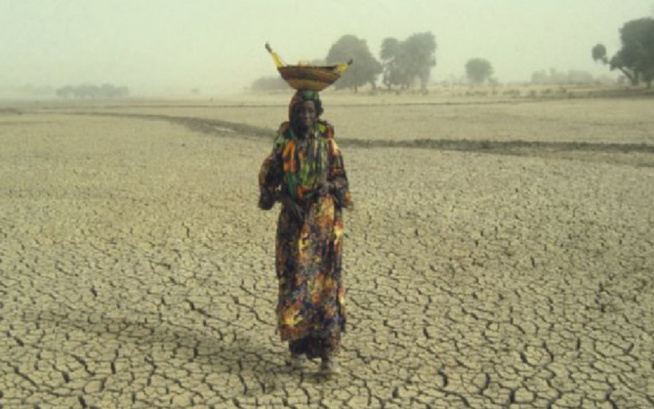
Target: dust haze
[216, 47]
[500, 250]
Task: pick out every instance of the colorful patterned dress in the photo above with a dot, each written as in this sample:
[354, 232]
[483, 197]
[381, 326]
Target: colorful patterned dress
[311, 304]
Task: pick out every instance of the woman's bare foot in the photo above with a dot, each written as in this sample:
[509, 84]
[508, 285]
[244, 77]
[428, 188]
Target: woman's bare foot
[329, 366]
[295, 361]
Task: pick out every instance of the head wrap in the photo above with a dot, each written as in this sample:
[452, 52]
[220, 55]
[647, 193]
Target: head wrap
[301, 96]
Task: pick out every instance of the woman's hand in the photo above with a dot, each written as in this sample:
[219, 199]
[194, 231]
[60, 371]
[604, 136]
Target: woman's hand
[295, 209]
[323, 188]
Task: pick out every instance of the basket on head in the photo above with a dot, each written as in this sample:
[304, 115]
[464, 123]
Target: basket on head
[309, 77]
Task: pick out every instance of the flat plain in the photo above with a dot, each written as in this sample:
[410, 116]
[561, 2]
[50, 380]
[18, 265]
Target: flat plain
[500, 254]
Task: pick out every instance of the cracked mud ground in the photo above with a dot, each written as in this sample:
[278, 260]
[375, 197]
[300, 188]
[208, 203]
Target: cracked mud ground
[136, 271]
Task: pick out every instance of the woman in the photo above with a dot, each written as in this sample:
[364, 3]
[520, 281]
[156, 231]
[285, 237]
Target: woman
[305, 173]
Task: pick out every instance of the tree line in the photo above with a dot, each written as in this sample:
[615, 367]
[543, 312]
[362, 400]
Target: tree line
[557, 77]
[401, 64]
[92, 91]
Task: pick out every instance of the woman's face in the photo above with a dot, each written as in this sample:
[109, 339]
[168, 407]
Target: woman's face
[305, 116]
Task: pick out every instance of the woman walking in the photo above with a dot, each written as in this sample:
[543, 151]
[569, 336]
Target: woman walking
[305, 174]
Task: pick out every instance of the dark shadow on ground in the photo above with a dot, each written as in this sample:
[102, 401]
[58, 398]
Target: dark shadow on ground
[259, 367]
[512, 147]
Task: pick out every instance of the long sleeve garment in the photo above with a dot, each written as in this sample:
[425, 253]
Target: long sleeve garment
[311, 302]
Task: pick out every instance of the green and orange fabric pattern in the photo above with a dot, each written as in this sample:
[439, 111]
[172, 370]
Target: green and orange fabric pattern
[311, 299]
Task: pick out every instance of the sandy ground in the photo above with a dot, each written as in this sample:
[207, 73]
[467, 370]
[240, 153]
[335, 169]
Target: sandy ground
[604, 120]
[136, 270]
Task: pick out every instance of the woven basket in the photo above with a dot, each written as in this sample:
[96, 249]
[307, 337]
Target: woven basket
[309, 77]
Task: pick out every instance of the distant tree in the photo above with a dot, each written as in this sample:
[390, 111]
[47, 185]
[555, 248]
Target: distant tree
[92, 91]
[65, 92]
[557, 77]
[478, 70]
[637, 52]
[111, 91]
[390, 57]
[365, 69]
[539, 77]
[267, 84]
[418, 57]
[87, 91]
[636, 57]
[106, 90]
[599, 53]
[579, 77]
[406, 61]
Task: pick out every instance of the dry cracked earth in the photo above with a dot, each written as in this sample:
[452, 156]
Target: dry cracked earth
[137, 272]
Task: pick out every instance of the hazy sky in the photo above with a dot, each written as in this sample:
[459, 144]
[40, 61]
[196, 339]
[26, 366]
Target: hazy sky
[219, 44]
